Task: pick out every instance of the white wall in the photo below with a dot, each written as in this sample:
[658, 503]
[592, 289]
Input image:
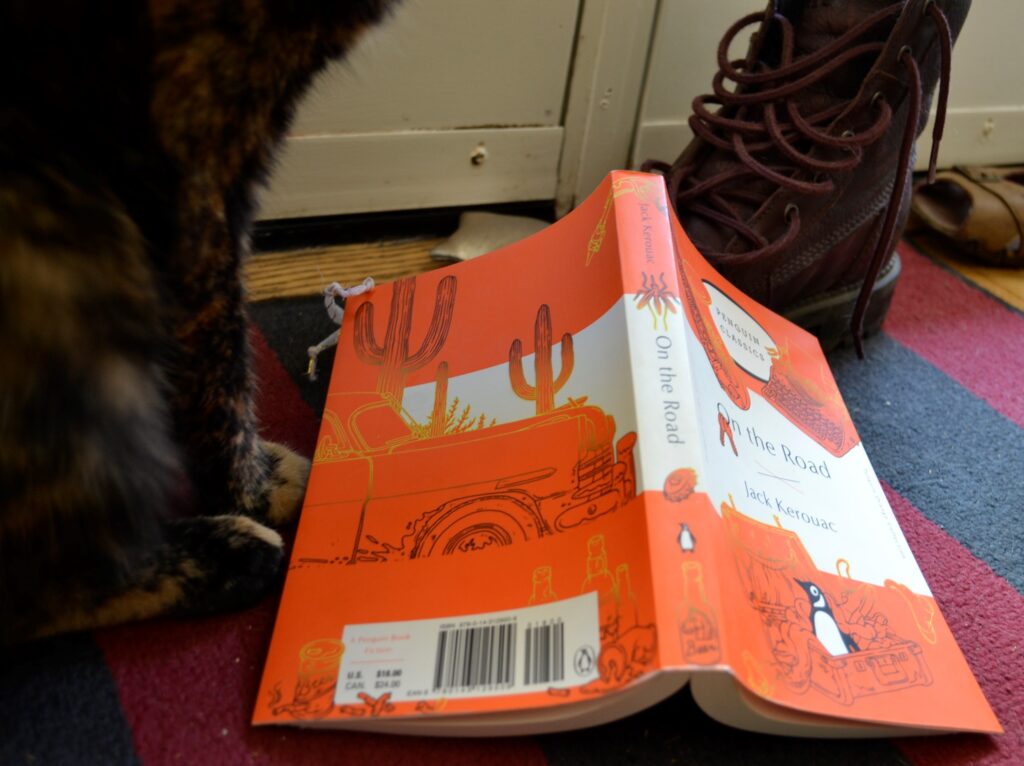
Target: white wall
[463, 102]
[450, 102]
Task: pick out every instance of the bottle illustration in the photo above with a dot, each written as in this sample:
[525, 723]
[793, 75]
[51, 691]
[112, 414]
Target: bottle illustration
[313, 697]
[698, 632]
[628, 611]
[543, 593]
[599, 578]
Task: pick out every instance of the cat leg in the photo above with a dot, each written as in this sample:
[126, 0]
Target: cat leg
[231, 466]
[90, 471]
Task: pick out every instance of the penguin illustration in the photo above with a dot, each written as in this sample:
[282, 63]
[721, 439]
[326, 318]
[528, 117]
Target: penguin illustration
[687, 542]
[823, 622]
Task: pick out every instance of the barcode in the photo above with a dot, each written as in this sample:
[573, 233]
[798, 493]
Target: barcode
[475, 657]
[544, 658]
[472, 656]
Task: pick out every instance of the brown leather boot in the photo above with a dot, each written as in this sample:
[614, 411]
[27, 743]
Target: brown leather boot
[796, 188]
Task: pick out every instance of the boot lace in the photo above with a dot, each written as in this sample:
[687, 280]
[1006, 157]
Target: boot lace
[760, 117]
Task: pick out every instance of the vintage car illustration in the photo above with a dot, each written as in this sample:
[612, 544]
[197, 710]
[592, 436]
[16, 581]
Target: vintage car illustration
[503, 484]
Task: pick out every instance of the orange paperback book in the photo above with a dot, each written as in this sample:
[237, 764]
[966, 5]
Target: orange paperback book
[556, 483]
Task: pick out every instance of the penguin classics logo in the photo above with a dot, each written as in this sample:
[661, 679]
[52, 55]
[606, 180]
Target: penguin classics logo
[583, 660]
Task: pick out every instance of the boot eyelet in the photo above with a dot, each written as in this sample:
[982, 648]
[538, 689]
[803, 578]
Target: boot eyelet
[791, 210]
[876, 97]
[927, 4]
[847, 134]
[905, 49]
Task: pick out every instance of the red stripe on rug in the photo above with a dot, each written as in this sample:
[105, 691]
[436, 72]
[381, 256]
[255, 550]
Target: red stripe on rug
[985, 614]
[188, 687]
[964, 332]
[284, 415]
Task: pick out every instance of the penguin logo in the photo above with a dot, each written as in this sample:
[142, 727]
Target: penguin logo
[823, 622]
[687, 542]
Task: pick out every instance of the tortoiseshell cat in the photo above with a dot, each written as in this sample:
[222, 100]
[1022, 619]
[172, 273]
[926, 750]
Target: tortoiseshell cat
[131, 141]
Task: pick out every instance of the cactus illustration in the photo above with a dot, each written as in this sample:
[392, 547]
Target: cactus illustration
[547, 385]
[437, 418]
[447, 418]
[393, 355]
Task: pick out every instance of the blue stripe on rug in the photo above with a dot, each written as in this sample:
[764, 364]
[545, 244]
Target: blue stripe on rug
[60, 706]
[949, 453]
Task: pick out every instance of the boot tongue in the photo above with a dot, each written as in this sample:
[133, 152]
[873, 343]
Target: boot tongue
[819, 22]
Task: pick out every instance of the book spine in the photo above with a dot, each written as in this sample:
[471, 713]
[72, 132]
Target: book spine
[667, 435]
[669, 451]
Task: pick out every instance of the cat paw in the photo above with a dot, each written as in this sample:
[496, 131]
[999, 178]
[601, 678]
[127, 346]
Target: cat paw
[223, 562]
[286, 484]
[206, 565]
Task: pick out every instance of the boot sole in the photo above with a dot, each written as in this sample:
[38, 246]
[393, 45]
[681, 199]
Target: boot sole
[828, 316]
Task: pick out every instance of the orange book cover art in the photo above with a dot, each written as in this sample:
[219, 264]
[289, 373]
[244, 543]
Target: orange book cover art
[827, 643]
[796, 381]
[558, 469]
[837, 633]
[745, 597]
[467, 418]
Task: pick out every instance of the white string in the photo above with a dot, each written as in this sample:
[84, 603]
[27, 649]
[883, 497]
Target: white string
[336, 312]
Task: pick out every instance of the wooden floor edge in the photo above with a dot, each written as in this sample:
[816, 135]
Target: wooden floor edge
[300, 273]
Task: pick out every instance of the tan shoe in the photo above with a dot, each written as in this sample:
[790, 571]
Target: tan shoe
[981, 209]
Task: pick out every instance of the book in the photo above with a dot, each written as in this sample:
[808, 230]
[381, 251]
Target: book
[555, 484]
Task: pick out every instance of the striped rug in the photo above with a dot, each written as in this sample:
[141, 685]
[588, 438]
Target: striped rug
[940, 409]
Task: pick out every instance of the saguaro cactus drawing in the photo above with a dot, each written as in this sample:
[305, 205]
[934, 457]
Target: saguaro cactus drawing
[438, 417]
[547, 385]
[393, 355]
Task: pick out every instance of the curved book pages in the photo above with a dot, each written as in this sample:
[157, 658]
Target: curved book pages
[556, 483]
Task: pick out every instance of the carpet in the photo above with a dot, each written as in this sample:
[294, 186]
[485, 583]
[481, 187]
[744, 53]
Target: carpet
[941, 411]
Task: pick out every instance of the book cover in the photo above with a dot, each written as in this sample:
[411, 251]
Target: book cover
[557, 482]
